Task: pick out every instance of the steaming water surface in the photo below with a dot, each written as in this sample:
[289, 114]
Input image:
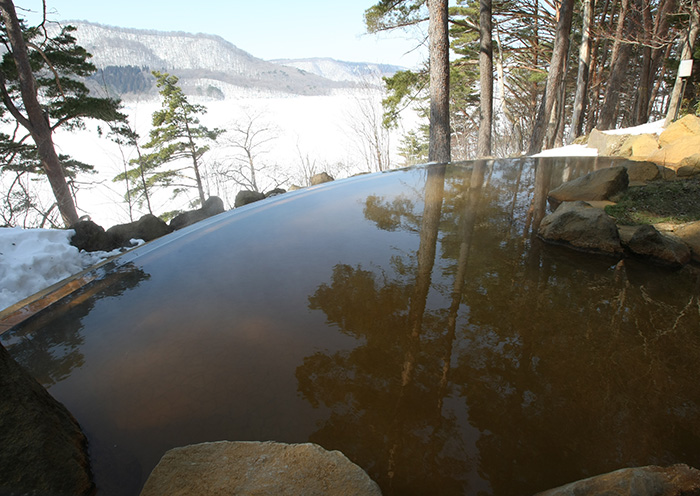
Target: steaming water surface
[410, 319]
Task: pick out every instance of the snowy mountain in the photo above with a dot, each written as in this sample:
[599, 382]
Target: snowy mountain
[336, 70]
[199, 60]
[209, 65]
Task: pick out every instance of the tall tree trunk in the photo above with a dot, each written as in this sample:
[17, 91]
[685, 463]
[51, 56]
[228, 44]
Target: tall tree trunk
[686, 49]
[598, 65]
[36, 121]
[618, 71]
[555, 75]
[439, 145]
[584, 63]
[641, 104]
[485, 79]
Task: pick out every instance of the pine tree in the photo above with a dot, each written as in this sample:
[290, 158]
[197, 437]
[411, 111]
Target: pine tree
[177, 134]
[42, 89]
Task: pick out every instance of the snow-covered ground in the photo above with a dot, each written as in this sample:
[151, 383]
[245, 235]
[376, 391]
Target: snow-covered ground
[33, 259]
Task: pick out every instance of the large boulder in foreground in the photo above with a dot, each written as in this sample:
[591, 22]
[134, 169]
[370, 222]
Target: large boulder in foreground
[212, 206]
[42, 449]
[256, 468]
[583, 227]
[598, 185]
[677, 480]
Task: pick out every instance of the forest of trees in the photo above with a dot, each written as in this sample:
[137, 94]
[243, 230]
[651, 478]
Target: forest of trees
[504, 78]
[555, 69]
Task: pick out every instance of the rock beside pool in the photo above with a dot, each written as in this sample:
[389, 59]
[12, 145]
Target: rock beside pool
[42, 449]
[244, 197]
[212, 206]
[320, 178]
[599, 185]
[647, 242]
[581, 226]
[252, 468]
[676, 480]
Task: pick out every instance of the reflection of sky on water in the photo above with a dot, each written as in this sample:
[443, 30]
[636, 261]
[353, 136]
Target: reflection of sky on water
[498, 364]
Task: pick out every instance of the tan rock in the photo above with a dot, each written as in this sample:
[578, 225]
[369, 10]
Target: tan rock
[673, 153]
[320, 178]
[257, 468]
[676, 480]
[608, 145]
[682, 128]
[641, 172]
[640, 146]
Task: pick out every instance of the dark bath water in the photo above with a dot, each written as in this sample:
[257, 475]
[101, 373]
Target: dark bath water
[409, 319]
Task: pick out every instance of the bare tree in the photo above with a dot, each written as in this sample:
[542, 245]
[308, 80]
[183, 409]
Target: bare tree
[249, 139]
[366, 123]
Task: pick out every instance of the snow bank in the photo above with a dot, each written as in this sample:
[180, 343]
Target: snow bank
[655, 127]
[33, 259]
[568, 151]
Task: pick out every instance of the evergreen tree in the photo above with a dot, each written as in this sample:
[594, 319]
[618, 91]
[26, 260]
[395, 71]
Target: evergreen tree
[177, 134]
[41, 88]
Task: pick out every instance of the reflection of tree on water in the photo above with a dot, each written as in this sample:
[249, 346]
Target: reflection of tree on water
[48, 344]
[393, 379]
[566, 367]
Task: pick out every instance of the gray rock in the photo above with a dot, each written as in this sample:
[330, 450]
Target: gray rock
[649, 243]
[275, 192]
[676, 480]
[583, 227]
[244, 197]
[43, 450]
[212, 206]
[256, 468]
[147, 228]
[90, 237]
[321, 178]
[598, 185]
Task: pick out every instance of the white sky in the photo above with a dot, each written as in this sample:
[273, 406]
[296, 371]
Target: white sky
[267, 29]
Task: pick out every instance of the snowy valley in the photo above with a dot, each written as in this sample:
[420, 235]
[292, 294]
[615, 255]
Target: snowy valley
[316, 113]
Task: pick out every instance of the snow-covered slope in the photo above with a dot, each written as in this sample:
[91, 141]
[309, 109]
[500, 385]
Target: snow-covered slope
[337, 70]
[193, 56]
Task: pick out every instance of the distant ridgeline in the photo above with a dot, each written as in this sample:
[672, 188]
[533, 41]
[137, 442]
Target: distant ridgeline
[120, 80]
[208, 65]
